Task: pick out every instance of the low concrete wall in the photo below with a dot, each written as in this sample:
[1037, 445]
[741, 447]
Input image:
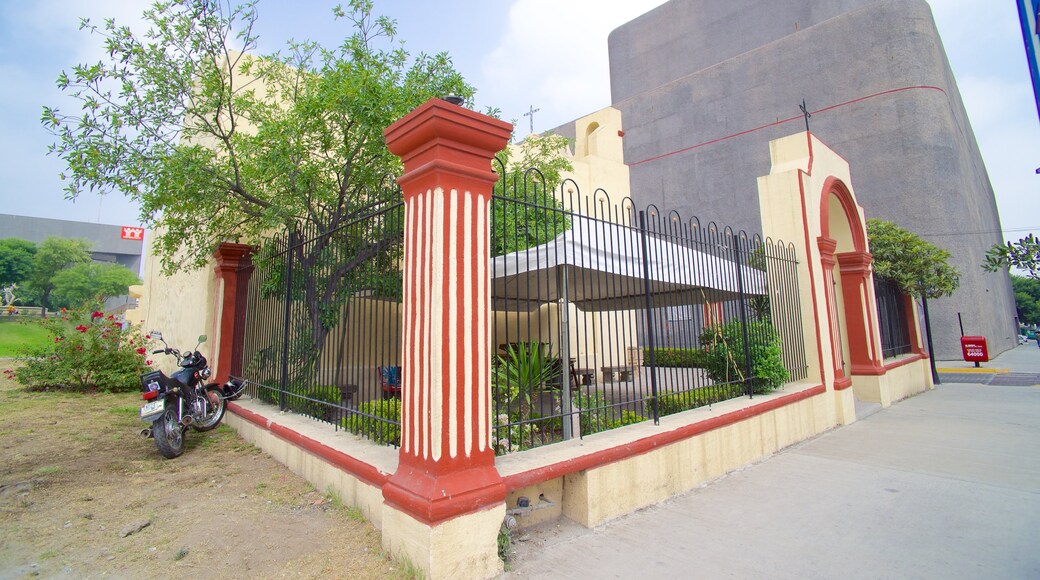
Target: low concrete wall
[354, 468]
[590, 480]
[607, 475]
[904, 376]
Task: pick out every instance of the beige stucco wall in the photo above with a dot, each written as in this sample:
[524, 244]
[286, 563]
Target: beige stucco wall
[791, 209]
[599, 494]
[180, 306]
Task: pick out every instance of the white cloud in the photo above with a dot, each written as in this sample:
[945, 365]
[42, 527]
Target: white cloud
[553, 56]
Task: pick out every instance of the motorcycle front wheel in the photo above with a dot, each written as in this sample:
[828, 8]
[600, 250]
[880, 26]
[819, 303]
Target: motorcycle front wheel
[215, 408]
[169, 435]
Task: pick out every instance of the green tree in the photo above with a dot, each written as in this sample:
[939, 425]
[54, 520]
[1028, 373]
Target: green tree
[92, 281]
[52, 256]
[1027, 299]
[1023, 254]
[16, 260]
[220, 145]
[919, 267]
[530, 172]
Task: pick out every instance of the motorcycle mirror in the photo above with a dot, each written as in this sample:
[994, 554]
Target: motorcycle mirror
[155, 334]
[202, 338]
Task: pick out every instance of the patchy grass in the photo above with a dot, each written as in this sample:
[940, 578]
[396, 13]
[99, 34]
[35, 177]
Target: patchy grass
[74, 473]
[17, 335]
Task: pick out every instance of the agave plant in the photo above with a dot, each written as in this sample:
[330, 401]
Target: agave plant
[522, 371]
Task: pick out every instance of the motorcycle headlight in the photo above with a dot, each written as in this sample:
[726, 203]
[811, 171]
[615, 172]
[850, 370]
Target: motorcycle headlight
[205, 373]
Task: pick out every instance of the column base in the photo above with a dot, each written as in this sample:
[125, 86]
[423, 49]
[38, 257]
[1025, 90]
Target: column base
[462, 547]
[434, 498]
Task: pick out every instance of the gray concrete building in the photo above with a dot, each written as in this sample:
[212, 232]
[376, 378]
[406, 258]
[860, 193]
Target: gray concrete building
[705, 85]
[120, 244]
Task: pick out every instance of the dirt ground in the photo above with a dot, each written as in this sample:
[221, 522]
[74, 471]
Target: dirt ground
[76, 481]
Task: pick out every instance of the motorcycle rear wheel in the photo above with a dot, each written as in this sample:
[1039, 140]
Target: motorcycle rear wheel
[215, 408]
[169, 435]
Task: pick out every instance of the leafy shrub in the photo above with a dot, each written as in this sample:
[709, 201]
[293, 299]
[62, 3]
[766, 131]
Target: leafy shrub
[630, 418]
[680, 358]
[506, 438]
[89, 351]
[724, 354]
[596, 413]
[366, 422]
[318, 402]
[673, 403]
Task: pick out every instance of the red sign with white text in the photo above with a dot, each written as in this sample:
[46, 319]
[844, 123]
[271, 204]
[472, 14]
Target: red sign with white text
[974, 349]
[131, 233]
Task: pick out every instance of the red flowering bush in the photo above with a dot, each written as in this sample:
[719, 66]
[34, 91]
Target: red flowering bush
[89, 352]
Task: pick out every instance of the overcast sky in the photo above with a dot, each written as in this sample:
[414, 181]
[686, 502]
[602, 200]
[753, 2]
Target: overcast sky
[549, 54]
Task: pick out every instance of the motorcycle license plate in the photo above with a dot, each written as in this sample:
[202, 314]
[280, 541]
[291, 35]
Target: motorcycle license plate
[153, 408]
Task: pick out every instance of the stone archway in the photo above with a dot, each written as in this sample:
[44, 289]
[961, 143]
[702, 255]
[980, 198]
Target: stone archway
[808, 198]
[848, 285]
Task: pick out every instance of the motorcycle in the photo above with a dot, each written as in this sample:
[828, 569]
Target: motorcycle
[183, 399]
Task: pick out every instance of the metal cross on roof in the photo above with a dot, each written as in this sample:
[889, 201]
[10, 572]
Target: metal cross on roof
[531, 115]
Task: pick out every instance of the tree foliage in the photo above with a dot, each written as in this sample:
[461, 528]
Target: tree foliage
[52, 256]
[223, 145]
[219, 144]
[1023, 254]
[16, 260]
[93, 281]
[919, 267]
[529, 171]
[1027, 299]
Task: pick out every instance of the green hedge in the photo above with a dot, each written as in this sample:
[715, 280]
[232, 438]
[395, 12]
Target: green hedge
[724, 354]
[680, 358]
[385, 432]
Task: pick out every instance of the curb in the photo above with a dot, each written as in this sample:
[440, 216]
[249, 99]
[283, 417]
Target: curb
[971, 370]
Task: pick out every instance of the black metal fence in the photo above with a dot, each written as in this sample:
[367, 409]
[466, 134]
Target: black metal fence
[892, 318]
[606, 315]
[322, 335]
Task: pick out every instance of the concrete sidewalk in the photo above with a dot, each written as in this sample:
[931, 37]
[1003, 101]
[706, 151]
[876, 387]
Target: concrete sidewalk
[942, 485]
[1017, 367]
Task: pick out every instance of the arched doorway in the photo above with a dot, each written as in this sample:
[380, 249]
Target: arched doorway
[848, 285]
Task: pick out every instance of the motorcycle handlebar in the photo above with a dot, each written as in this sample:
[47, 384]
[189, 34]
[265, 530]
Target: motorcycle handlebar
[159, 351]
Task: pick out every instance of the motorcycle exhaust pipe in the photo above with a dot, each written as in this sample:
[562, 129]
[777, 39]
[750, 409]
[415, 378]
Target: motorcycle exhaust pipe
[146, 433]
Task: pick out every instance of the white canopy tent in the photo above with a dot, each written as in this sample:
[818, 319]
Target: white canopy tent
[602, 266]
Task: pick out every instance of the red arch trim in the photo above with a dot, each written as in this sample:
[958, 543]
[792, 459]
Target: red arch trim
[837, 187]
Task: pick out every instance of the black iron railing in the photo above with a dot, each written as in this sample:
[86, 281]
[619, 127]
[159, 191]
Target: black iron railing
[603, 316]
[322, 334]
[629, 314]
[892, 318]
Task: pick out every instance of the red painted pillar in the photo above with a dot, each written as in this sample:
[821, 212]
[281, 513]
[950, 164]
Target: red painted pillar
[447, 465]
[234, 267]
[860, 307]
[827, 247]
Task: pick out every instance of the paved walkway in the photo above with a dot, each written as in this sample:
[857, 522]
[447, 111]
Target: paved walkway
[942, 485]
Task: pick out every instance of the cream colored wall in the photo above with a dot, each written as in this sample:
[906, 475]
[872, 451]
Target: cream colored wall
[801, 166]
[180, 306]
[791, 210]
[594, 496]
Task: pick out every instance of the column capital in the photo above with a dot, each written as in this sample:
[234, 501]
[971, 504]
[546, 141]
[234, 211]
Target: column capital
[229, 256]
[446, 145]
[855, 262]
